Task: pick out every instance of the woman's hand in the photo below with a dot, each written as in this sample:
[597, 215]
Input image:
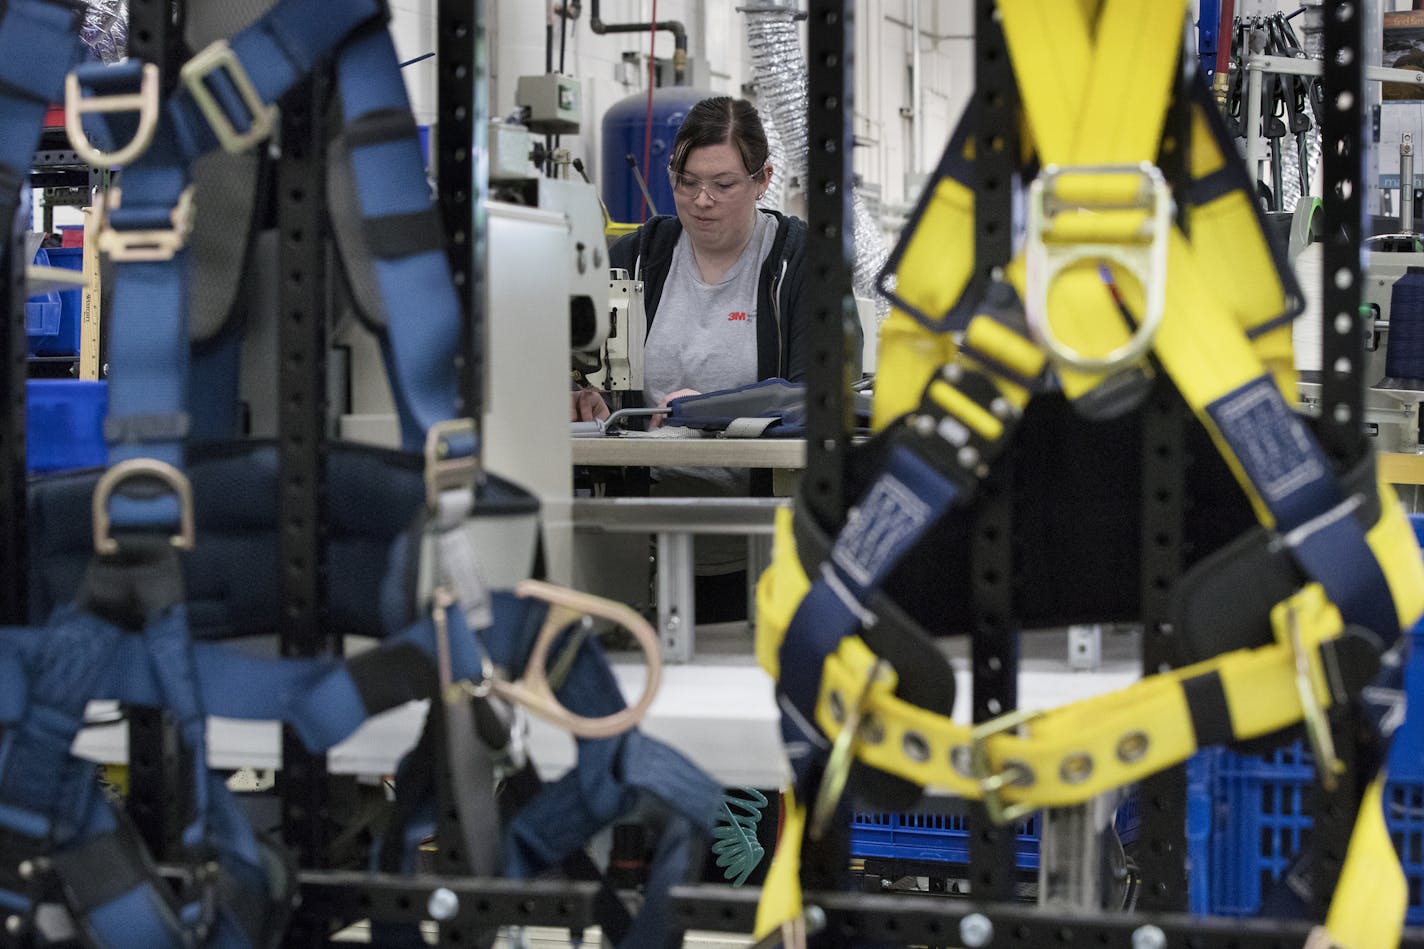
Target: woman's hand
[586, 405]
[657, 420]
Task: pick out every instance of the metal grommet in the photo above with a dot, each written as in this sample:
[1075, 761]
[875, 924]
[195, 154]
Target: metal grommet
[961, 759]
[26, 869]
[952, 372]
[916, 747]
[924, 425]
[1019, 774]
[968, 457]
[1001, 407]
[838, 709]
[872, 731]
[1132, 747]
[1076, 768]
[14, 925]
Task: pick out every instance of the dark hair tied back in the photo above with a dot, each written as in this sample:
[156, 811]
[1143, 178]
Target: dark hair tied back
[720, 119]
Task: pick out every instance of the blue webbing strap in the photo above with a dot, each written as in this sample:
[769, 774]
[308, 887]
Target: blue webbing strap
[423, 311]
[896, 510]
[148, 339]
[39, 42]
[276, 52]
[319, 698]
[1292, 476]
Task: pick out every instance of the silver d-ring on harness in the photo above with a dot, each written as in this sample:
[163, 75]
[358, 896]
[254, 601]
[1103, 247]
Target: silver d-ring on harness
[1147, 261]
[104, 543]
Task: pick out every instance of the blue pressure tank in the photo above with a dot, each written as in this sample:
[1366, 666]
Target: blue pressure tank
[625, 125]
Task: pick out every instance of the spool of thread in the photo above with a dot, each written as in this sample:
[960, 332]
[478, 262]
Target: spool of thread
[1306, 330]
[1404, 355]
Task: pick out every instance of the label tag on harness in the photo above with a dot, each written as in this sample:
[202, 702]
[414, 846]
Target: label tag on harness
[1274, 448]
[888, 519]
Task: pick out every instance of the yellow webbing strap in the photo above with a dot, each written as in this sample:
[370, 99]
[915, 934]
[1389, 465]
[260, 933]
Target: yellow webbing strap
[1070, 754]
[907, 355]
[781, 891]
[1371, 895]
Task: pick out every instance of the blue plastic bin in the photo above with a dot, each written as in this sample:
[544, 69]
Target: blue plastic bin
[930, 838]
[64, 340]
[42, 311]
[944, 838]
[65, 424]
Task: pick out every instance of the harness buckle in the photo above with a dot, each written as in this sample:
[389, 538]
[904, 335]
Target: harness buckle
[104, 542]
[1317, 724]
[442, 472]
[219, 57]
[144, 102]
[534, 690]
[1014, 773]
[144, 246]
[836, 774]
[1145, 256]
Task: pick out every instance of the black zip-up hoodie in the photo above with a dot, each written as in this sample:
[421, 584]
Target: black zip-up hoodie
[783, 343]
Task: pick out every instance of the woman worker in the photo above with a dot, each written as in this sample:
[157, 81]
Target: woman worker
[726, 300]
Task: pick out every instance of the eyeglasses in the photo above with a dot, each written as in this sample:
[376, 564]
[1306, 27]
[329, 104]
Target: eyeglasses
[727, 186]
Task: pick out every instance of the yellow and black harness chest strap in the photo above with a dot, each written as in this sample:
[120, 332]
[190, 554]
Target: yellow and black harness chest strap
[934, 461]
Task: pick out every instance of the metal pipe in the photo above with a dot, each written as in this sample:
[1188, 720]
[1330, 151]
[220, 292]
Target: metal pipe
[1406, 183]
[675, 27]
[1372, 44]
[917, 90]
[1072, 856]
[1253, 123]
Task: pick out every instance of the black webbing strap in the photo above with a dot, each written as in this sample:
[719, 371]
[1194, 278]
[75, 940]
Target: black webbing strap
[383, 125]
[403, 235]
[386, 678]
[104, 867]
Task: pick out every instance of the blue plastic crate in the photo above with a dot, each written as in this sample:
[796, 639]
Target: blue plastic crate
[42, 311]
[1260, 820]
[64, 340]
[64, 421]
[930, 838]
[944, 838]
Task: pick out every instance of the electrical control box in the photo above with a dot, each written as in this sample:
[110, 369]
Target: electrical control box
[553, 103]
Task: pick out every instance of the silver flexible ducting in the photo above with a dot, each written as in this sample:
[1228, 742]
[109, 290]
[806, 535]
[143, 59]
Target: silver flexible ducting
[105, 30]
[775, 195]
[779, 70]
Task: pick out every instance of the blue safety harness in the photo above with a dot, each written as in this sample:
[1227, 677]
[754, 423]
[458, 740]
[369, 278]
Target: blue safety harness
[144, 630]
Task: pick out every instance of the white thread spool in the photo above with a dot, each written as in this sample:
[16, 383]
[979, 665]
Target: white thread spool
[1307, 330]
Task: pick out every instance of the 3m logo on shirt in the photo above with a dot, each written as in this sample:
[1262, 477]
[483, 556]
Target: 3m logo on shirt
[738, 315]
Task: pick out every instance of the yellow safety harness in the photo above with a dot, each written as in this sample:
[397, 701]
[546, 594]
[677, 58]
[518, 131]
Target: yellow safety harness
[1210, 304]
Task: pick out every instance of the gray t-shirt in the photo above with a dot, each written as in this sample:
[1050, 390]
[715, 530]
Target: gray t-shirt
[704, 338]
[704, 334]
